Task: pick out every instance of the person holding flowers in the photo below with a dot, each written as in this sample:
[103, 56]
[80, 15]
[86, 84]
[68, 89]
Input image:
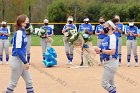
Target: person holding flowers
[69, 30]
[45, 32]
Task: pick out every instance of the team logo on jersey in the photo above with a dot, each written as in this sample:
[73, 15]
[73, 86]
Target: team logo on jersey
[105, 44]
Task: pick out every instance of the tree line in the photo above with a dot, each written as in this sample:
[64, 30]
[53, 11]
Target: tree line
[59, 10]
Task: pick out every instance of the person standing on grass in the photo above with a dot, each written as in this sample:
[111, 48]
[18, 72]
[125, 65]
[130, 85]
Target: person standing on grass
[19, 64]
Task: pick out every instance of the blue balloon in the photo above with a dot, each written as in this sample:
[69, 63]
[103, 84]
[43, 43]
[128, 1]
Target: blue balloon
[50, 56]
[52, 51]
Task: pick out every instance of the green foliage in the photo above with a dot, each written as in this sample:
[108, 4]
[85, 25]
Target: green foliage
[58, 10]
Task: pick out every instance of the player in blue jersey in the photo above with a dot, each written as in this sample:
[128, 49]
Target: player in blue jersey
[46, 39]
[29, 31]
[118, 32]
[100, 33]
[109, 51]
[131, 34]
[4, 42]
[86, 27]
[19, 64]
[68, 46]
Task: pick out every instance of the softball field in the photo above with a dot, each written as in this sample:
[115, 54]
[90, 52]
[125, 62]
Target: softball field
[61, 79]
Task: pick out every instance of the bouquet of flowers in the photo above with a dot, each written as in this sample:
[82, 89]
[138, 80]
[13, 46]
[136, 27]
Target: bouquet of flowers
[85, 36]
[29, 30]
[42, 31]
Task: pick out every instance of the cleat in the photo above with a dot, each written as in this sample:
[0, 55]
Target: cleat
[0, 62]
[136, 65]
[128, 64]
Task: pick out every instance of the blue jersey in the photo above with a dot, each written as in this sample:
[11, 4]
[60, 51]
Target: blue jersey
[98, 29]
[110, 42]
[117, 33]
[83, 27]
[4, 30]
[134, 30]
[49, 30]
[71, 26]
[19, 44]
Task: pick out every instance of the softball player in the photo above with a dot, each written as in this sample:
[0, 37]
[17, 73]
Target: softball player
[29, 30]
[131, 34]
[46, 43]
[109, 50]
[87, 28]
[68, 47]
[118, 32]
[4, 42]
[100, 33]
[19, 65]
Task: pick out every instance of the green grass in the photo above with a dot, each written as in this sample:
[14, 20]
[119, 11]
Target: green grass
[58, 40]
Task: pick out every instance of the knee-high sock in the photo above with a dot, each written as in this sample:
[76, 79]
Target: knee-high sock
[120, 57]
[30, 90]
[110, 88]
[28, 58]
[43, 57]
[71, 57]
[1, 58]
[136, 58]
[128, 58]
[82, 58]
[7, 57]
[101, 58]
[68, 56]
[9, 90]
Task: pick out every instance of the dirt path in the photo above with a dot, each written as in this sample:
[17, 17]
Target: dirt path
[62, 79]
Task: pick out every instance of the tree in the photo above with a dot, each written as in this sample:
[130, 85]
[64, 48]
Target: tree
[57, 12]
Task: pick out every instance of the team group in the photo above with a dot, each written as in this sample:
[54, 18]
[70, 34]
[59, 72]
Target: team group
[131, 33]
[109, 47]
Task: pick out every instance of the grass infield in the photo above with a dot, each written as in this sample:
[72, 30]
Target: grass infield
[58, 40]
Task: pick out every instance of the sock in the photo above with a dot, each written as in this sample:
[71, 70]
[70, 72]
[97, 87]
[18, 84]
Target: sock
[1, 57]
[28, 58]
[114, 91]
[128, 58]
[101, 58]
[136, 58]
[30, 90]
[120, 56]
[71, 57]
[68, 56]
[9, 90]
[43, 58]
[81, 57]
[111, 89]
[7, 58]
